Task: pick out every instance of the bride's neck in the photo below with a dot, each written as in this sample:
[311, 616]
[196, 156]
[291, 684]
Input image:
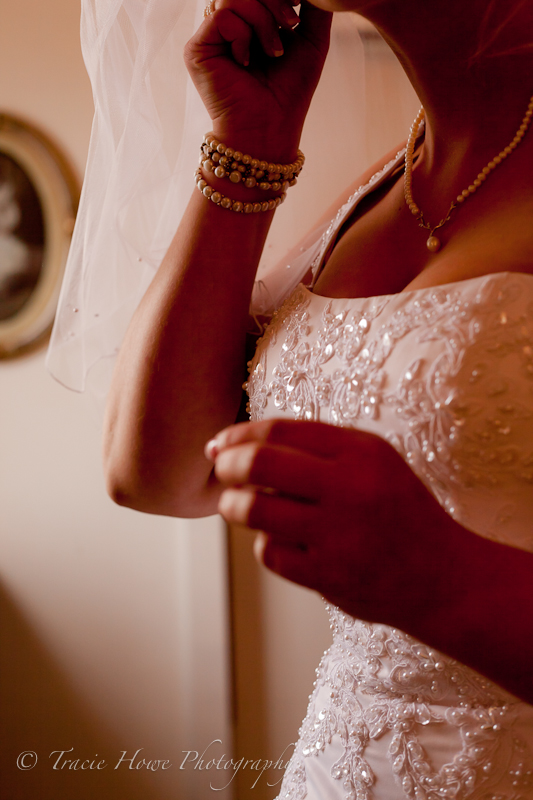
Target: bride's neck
[474, 99]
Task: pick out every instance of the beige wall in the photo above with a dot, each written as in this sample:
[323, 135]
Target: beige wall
[114, 624]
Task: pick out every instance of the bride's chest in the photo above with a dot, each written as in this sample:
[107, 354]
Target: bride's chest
[444, 375]
[354, 362]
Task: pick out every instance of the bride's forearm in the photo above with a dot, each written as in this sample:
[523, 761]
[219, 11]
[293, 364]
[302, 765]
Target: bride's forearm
[180, 370]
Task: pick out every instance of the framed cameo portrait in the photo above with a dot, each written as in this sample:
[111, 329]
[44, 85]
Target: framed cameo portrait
[38, 200]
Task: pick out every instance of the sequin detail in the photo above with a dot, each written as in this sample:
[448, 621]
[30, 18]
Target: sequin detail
[381, 681]
[446, 376]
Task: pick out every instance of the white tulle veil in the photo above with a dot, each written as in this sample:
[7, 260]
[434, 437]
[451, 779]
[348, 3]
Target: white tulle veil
[145, 140]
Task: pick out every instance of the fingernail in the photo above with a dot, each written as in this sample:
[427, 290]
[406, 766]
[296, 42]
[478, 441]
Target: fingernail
[211, 450]
[278, 52]
[290, 16]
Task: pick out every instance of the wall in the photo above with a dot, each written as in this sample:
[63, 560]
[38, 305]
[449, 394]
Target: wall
[114, 624]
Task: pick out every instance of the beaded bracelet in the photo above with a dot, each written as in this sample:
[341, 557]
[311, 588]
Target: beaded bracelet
[235, 205]
[225, 162]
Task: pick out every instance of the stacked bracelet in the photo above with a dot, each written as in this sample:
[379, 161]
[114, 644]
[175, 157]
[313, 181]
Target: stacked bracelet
[225, 162]
[235, 205]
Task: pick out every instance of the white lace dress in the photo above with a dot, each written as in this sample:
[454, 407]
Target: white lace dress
[446, 376]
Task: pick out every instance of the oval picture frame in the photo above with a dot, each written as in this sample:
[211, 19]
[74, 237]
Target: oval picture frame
[39, 195]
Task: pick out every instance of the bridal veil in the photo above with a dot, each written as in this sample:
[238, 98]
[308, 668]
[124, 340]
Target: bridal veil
[147, 129]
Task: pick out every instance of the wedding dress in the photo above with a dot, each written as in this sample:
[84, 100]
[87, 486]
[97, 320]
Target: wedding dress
[445, 375]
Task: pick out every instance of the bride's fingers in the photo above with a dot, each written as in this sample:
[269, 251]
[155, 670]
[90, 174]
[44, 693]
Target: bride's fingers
[281, 10]
[289, 472]
[237, 34]
[237, 20]
[295, 522]
[316, 438]
[290, 562]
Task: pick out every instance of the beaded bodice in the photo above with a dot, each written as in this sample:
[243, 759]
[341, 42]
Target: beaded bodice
[390, 718]
[446, 376]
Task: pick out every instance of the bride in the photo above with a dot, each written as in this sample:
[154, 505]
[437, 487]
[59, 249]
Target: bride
[389, 460]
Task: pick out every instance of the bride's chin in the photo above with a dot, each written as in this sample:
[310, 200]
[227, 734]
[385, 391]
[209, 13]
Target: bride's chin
[336, 5]
[358, 6]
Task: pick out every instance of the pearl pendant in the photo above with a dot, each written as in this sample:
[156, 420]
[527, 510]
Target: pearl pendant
[433, 244]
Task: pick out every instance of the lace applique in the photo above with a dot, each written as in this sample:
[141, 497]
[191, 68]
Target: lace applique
[454, 433]
[298, 383]
[293, 313]
[447, 375]
[383, 681]
[465, 415]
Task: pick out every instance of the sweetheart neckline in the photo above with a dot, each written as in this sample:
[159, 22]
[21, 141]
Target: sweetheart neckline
[422, 290]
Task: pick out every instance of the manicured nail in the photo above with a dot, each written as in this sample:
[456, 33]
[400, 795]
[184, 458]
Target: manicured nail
[211, 450]
[277, 46]
[290, 17]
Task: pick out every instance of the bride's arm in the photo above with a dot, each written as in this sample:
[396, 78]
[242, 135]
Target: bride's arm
[181, 367]
[179, 373]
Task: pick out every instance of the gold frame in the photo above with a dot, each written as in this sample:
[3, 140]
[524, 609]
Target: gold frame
[57, 190]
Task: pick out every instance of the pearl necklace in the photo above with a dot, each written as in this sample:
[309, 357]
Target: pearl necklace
[433, 243]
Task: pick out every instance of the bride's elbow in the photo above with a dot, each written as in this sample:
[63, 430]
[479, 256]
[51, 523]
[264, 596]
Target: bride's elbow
[141, 489]
[125, 488]
[127, 478]
[147, 475]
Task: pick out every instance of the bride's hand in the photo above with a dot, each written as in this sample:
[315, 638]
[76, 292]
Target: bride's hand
[344, 515]
[256, 72]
